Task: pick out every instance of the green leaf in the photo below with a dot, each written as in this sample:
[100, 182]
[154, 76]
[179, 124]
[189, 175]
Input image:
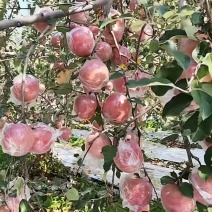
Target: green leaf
[186, 11]
[171, 71]
[72, 194]
[186, 189]
[63, 89]
[171, 137]
[24, 206]
[80, 162]
[192, 122]
[144, 2]
[64, 7]
[209, 139]
[191, 32]
[3, 185]
[203, 130]
[207, 88]
[52, 21]
[116, 75]
[205, 172]
[136, 25]
[3, 4]
[201, 207]
[208, 62]
[204, 101]
[162, 9]
[136, 100]
[150, 82]
[160, 90]
[107, 165]
[177, 104]
[83, 147]
[109, 153]
[197, 19]
[63, 29]
[169, 14]
[109, 21]
[202, 71]
[182, 59]
[172, 34]
[208, 156]
[166, 179]
[118, 174]
[154, 45]
[174, 174]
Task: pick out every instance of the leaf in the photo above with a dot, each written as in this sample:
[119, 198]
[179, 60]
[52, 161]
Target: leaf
[83, 147]
[80, 162]
[63, 29]
[208, 156]
[107, 165]
[182, 59]
[203, 130]
[118, 174]
[177, 104]
[202, 71]
[192, 122]
[136, 100]
[204, 101]
[3, 185]
[144, 2]
[166, 179]
[208, 62]
[172, 137]
[109, 153]
[63, 89]
[191, 31]
[171, 71]
[201, 207]
[197, 19]
[109, 21]
[186, 11]
[154, 45]
[160, 90]
[174, 174]
[150, 82]
[171, 34]
[162, 9]
[186, 189]
[3, 4]
[64, 76]
[116, 75]
[205, 172]
[136, 25]
[72, 194]
[169, 14]
[24, 206]
[207, 88]
[64, 7]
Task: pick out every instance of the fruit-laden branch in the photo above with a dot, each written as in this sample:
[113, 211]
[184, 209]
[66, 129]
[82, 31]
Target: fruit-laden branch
[28, 20]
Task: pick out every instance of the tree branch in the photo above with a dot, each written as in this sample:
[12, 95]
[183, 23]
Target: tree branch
[28, 20]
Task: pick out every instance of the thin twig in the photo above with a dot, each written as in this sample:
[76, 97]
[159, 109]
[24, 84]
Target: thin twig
[91, 143]
[146, 174]
[25, 70]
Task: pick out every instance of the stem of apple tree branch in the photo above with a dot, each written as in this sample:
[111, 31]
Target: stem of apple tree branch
[28, 20]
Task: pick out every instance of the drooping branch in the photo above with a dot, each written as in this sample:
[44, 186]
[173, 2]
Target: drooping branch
[28, 20]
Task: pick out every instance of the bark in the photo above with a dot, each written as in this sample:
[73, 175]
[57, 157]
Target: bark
[28, 20]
